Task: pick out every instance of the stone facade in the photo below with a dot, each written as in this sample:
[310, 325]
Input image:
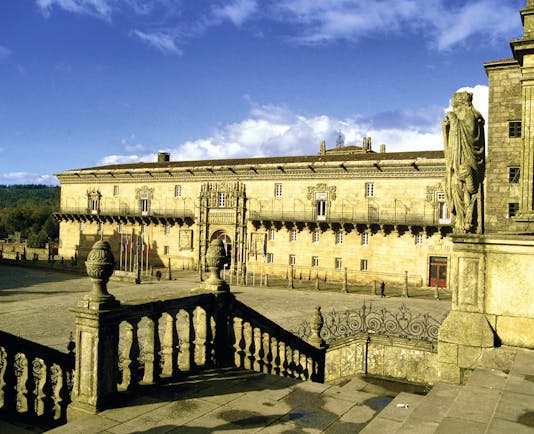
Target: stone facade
[378, 215]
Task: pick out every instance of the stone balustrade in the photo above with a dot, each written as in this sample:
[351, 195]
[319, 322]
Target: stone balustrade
[35, 380]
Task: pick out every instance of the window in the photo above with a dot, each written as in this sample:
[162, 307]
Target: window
[292, 260]
[512, 209]
[444, 215]
[513, 176]
[339, 237]
[167, 229]
[177, 191]
[514, 129]
[316, 235]
[278, 190]
[270, 258]
[121, 228]
[271, 234]
[221, 200]
[339, 264]
[81, 226]
[115, 190]
[166, 250]
[441, 196]
[419, 239]
[144, 206]
[315, 261]
[369, 189]
[93, 205]
[321, 210]
[363, 264]
[293, 236]
[365, 239]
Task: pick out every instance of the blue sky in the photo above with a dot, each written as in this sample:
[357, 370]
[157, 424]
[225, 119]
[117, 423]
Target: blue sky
[90, 82]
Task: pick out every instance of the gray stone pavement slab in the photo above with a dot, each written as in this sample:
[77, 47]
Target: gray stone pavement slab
[400, 414]
[450, 425]
[492, 379]
[514, 406]
[418, 426]
[381, 425]
[475, 403]
[499, 426]
[435, 406]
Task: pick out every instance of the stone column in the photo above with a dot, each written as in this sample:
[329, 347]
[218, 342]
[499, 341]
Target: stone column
[97, 335]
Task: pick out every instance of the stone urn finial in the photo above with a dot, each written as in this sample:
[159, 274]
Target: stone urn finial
[316, 324]
[215, 259]
[99, 265]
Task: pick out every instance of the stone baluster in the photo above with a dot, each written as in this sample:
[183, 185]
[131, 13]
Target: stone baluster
[239, 342]
[184, 325]
[248, 348]
[8, 381]
[41, 379]
[289, 369]
[275, 356]
[257, 362]
[303, 367]
[57, 382]
[97, 338]
[21, 371]
[130, 356]
[266, 353]
[200, 331]
[152, 347]
[282, 357]
[169, 351]
[309, 368]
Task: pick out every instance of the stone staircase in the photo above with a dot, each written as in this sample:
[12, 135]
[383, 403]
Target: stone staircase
[491, 401]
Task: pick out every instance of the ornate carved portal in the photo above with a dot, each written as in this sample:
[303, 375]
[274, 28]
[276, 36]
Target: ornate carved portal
[321, 196]
[223, 210]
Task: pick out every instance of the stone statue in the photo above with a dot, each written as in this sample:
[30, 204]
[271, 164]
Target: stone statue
[463, 137]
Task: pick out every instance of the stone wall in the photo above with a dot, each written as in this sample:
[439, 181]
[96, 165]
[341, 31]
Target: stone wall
[381, 356]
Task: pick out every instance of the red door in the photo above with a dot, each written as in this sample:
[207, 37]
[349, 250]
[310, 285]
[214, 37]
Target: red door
[438, 272]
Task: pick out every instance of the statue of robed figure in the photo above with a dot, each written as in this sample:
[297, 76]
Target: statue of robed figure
[463, 138]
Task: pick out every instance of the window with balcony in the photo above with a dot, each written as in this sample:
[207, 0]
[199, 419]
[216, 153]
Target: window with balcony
[321, 209]
[278, 190]
[315, 261]
[144, 206]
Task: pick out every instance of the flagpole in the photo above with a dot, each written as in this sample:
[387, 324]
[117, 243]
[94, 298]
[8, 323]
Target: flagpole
[120, 254]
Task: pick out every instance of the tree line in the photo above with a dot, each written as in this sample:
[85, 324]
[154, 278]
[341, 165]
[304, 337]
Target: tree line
[29, 209]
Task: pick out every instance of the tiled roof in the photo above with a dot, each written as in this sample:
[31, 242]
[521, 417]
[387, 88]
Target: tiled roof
[275, 160]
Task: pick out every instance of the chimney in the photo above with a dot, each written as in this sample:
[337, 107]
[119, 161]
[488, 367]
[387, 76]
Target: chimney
[382, 148]
[164, 157]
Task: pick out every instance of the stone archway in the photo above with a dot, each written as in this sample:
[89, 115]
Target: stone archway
[227, 243]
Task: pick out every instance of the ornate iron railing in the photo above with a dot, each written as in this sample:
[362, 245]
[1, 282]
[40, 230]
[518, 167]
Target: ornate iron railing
[403, 323]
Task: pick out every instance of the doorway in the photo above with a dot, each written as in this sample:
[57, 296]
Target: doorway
[438, 272]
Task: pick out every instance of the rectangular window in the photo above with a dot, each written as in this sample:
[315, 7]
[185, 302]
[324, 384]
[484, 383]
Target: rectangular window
[272, 233]
[339, 237]
[513, 176]
[121, 228]
[293, 236]
[365, 239]
[270, 258]
[177, 191]
[115, 190]
[221, 200]
[514, 129]
[81, 226]
[512, 209]
[144, 206]
[166, 250]
[369, 189]
[363, 264]
[278, 190]
[419, 239]
[315, 261]
[93, 204]
[339, 264]
[316, 236]
[167, 229]
[292, 260]
[321, 209]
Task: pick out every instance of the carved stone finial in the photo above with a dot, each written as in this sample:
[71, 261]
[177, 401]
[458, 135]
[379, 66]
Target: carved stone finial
[316, 324]
[215, 259]
[99, 265]
[322, 148]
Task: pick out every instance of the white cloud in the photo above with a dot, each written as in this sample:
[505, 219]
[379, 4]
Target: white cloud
[272, 130]
[95, 8]
[4, 52]
[237, 12]
[27, 178]
[162, 41]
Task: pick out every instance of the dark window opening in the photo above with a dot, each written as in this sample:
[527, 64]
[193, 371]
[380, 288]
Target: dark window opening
[513, 176]
[512, 209]
[514, 129]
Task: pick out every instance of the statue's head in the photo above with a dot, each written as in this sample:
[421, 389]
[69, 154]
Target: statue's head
[462, 98]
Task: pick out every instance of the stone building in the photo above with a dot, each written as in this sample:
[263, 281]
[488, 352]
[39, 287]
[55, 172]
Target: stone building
[372, 215]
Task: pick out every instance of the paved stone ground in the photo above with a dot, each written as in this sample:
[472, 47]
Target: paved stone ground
[34, 303]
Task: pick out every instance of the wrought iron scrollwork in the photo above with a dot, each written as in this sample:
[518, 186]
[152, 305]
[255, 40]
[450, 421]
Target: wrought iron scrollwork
[403, 323]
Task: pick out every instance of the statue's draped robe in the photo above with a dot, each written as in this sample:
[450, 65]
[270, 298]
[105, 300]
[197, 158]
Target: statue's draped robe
[464, 154]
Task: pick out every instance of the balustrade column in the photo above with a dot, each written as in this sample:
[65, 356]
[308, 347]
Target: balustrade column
[152, 347]
[169, 352]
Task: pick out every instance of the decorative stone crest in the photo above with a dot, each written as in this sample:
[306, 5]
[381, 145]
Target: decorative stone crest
[215, 260]
[99, 265]
[321, 188]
